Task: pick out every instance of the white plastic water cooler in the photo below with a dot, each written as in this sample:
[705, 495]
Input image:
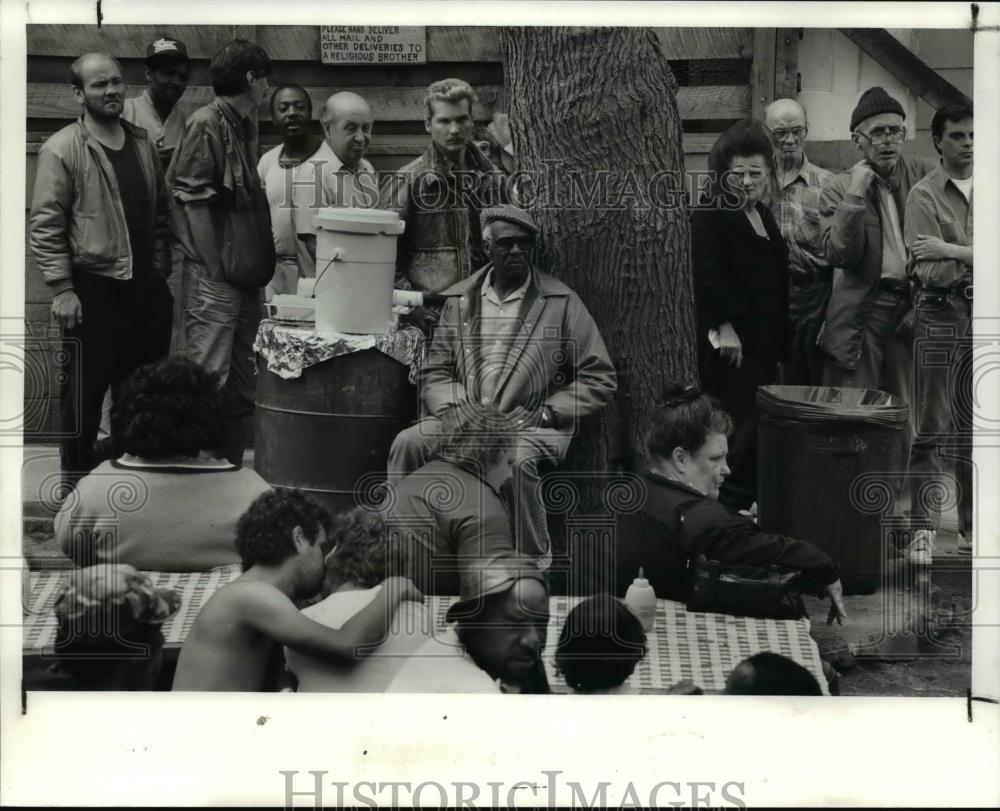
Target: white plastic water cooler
[355, 269]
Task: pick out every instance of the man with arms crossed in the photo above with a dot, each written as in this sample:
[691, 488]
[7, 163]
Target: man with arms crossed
[939, 238]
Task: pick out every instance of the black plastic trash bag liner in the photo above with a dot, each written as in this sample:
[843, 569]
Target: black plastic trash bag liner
[830, 404]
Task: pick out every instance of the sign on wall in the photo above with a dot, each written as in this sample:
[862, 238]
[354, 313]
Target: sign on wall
[373, 44]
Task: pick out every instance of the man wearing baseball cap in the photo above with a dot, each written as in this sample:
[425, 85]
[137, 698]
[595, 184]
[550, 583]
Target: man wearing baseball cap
[521, 341]
[867, 337]
[157, 110]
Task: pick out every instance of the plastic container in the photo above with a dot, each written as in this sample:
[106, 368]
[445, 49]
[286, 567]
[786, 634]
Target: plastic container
[355, 269]
[829, 463]
[640, 599]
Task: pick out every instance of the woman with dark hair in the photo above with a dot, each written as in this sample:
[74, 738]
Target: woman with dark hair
[682, 518]
[740, 263]
[600, 644]
[165, 504]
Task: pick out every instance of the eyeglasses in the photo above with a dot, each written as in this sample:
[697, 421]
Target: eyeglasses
[896, 135]
[506, 244]
[798, 133]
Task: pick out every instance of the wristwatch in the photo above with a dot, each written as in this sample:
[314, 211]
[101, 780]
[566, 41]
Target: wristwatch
[548, 418]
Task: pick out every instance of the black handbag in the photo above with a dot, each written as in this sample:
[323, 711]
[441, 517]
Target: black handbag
[766, 592]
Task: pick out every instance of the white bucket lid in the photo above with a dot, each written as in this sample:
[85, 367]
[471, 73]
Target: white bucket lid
[359, 220]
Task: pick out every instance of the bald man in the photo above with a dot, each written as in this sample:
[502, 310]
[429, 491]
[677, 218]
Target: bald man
[348, 179]
[99, 235]
[809, 277]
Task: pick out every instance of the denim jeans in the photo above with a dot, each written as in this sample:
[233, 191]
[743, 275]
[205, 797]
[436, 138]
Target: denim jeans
[942, 382]
[220, 322]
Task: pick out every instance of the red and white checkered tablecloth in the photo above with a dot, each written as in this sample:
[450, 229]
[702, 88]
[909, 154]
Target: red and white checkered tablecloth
[682, 645]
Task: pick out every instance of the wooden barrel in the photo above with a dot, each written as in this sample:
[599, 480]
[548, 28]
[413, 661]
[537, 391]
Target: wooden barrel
[333, 426]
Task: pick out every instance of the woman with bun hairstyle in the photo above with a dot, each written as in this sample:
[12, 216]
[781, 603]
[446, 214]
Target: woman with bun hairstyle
[740, 265]
[682, 517]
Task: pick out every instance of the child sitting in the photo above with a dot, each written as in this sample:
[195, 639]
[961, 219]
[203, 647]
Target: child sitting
[235, 642]
[600, 644]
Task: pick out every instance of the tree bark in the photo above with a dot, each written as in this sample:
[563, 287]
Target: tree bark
[597, 142]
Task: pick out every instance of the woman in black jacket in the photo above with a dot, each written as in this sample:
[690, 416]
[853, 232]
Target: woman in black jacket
[681, 518]
[741, 288]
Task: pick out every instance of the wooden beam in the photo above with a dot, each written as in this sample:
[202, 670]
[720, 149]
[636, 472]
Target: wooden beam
[298, 43]
[696, 143]
[56, 101]
[706, 43]
[786, 69]
[762, 72]
[918, 77]
[127, 41]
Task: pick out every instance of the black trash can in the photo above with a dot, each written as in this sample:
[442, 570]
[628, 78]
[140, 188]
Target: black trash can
[821, 453]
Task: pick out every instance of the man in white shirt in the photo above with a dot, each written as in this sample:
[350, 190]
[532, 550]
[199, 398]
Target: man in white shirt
[290, 173]
[348, 179]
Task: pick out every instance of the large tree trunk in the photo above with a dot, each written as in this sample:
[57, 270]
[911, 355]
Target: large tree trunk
[594, 115]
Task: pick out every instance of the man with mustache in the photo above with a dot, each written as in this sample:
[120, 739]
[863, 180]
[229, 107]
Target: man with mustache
[288, 173]
[440, 196]
[98, 231]
[157, 110]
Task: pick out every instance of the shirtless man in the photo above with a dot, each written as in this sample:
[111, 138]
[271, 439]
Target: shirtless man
[236, 641]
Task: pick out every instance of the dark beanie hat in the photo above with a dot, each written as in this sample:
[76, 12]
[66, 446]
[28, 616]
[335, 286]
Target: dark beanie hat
[873, 102]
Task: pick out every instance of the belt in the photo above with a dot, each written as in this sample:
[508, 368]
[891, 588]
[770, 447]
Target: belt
[958, 291]
[895, 286]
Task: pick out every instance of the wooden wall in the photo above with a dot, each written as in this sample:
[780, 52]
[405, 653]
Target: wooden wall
[713, 68]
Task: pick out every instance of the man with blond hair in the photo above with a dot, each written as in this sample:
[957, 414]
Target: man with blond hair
[441, 194]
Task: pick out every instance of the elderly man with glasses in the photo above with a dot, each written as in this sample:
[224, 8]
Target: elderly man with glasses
[798, 186]
[867, 336]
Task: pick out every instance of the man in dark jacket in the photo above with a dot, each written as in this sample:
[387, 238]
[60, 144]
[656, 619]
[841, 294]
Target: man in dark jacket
[440, 196]
[98, 232]
[223, 224]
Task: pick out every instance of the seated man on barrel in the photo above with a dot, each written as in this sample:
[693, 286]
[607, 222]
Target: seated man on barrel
[515, 338]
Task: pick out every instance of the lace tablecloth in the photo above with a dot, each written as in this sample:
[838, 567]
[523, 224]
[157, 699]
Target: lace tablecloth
[289, 348]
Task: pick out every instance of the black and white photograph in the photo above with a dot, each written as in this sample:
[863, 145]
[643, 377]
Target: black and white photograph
[384, 385]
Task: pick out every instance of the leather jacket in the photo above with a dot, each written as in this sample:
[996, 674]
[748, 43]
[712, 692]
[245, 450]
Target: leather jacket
[442, 243]
[77, 220]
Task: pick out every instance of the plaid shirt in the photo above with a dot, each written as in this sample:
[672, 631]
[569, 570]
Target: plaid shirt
[791, 206]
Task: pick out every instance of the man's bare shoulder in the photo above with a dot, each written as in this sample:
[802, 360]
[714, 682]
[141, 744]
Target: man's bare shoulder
[246, 596]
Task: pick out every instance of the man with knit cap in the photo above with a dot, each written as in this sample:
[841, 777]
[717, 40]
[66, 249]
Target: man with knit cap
[867, 336]
[517, 339]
